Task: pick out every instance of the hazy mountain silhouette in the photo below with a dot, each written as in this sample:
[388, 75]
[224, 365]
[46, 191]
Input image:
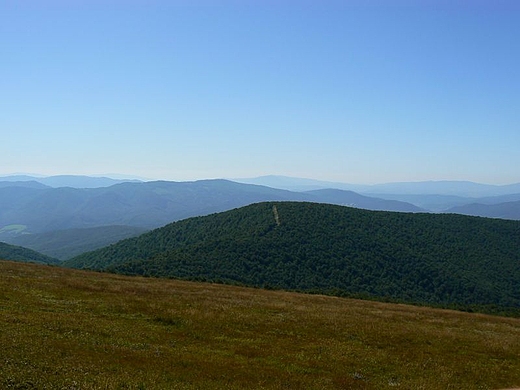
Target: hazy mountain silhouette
[353, 199]
[149, 204]
[465, 189]
[74, 181]
[507, 210]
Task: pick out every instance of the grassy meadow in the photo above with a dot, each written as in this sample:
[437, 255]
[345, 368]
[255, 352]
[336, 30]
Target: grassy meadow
[70, 329]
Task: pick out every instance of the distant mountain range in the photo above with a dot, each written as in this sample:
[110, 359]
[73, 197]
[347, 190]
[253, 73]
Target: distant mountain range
[507, 210]
[465, 189]
[39, 217]
[434, 196]
[74, 181]
[150, 204]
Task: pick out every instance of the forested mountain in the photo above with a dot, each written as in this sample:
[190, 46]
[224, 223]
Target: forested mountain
[64, 244]
[17, 253]
[449, 260]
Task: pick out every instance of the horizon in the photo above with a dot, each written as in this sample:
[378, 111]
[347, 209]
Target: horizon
[124, 177]
[348, 92]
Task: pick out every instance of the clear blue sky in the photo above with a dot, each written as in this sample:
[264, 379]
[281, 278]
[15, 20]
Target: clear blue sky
[351, 91]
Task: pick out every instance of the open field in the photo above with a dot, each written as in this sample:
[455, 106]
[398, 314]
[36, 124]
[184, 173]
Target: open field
[69, 329]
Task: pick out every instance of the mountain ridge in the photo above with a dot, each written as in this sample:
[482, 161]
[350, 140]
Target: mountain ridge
[147, 204]
[462, 188]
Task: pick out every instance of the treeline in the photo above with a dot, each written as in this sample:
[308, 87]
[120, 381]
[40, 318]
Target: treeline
[445, 260]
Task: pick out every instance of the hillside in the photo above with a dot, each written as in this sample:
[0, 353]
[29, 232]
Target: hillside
[18, 253]
[449, 260]
[65, 244]
[69, 329]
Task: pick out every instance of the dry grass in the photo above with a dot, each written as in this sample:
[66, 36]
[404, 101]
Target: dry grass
[69, 329]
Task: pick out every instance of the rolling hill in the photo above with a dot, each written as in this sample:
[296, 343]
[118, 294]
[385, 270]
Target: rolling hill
[18, 253]
[448, 260]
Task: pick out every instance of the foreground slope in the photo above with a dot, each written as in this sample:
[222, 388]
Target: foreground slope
[64, 329]
[452, 260]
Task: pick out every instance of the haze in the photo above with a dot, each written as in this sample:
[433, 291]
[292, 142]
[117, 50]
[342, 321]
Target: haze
[358, 92]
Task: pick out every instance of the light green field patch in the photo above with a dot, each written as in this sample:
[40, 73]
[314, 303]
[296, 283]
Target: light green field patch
[13, 229]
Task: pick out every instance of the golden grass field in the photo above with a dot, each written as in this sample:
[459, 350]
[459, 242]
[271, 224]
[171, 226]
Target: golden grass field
[70, 329]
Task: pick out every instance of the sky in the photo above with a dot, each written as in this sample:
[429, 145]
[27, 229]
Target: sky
[352, 91]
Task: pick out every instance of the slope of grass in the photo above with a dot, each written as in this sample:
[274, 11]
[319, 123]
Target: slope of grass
[73, 329]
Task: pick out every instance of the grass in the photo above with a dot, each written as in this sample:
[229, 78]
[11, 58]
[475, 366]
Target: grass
[70, 329]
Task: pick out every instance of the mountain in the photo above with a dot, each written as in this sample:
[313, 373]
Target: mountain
[506, 210]
[74, 181]
[353, 199]
[497, 199]
[147, 205]
[17, 253]
[300, 184]
[25, 184]
[435, 259]
[433, 203]
[445, 187]
[465, 189]
[65, 244]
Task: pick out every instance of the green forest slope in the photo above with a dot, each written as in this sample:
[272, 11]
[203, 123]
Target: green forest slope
[448, 260]
[18, 253]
